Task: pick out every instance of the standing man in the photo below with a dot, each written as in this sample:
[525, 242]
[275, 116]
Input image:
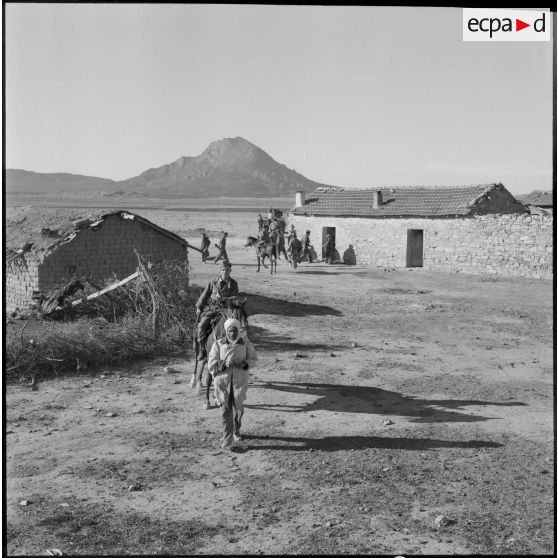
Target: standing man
[207, 306]
[329, 248]
[205, 244]
[294, 246]
[229, 360]
[222, 248]
[290, 233]
[306, 246]
[281, 245]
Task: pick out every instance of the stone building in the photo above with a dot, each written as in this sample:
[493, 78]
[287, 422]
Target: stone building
[46, 248]
[538, 201]
[473, 229]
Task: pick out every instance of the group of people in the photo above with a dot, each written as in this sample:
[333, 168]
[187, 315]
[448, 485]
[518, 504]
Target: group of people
[273, 231]
[300, 248]
[230, 357]
[221, 246]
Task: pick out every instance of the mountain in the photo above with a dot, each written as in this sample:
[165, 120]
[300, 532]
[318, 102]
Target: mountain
[23, 181]
[231, 167]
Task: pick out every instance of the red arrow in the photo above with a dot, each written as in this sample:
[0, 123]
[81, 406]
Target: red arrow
[519, 25]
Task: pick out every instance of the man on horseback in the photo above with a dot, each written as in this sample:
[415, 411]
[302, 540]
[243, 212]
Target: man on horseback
[263, 237]
[211, 301]
[260, 222]
[273, 226]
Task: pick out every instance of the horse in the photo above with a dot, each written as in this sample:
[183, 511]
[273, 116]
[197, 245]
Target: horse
[232, 307]
[268, 250]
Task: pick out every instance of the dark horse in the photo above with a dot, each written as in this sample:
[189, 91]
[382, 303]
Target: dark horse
[231, 307]
[268, 250]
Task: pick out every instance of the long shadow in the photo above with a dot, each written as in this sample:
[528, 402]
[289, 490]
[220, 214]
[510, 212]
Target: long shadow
[344, 443]
[281, 343]
[316, 272]
[371, 400]
[258, 304]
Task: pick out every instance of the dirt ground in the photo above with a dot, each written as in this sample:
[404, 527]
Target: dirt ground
[381, 400]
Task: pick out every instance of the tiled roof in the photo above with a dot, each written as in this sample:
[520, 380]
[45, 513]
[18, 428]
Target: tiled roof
[541, 198]
[418, 201]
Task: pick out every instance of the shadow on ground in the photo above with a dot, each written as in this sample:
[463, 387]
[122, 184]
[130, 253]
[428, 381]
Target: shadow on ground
[258, 304]
[344, 443]
[365, 399]
[316, 272]
[264, 339]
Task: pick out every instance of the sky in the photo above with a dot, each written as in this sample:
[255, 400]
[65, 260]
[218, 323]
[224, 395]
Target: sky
[349, 96]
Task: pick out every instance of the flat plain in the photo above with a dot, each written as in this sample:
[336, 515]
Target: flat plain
[381, 400]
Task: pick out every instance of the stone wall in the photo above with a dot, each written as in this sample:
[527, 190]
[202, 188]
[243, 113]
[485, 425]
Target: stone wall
[515, 244]
[98, 254]
[22, 280]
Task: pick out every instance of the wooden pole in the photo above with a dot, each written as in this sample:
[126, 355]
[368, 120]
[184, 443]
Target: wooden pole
[106, 289]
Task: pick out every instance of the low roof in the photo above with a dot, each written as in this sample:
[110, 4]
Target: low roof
[541, 198]
[25, 225]
[396, 202]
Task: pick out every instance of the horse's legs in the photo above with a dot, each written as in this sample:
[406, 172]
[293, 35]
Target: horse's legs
[195, 382]
[207, 405]
[258, 264]
[200, 377]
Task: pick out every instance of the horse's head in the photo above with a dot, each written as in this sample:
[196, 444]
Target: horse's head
[235, 301]
[250, 241]
[235, 308]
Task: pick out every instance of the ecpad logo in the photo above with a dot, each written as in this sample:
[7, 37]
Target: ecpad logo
[505, 25]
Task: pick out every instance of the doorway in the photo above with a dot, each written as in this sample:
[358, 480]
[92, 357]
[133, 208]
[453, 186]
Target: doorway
[414, 247]
[325, 232]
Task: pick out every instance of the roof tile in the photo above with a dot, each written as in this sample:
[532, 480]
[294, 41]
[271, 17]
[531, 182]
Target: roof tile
[396, 202]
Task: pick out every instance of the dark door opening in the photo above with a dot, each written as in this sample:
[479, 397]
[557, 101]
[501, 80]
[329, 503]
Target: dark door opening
[414, 247]
[325, 232]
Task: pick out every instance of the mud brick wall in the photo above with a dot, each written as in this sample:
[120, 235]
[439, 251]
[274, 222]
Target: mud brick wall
[22, 279]
[98, 254]
[513, 244]
[107, 251]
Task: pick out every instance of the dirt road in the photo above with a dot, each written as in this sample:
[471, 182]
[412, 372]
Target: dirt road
[381, 401]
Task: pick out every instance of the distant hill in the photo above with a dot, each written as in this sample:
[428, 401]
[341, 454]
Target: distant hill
[231, 167]
[18, 180]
